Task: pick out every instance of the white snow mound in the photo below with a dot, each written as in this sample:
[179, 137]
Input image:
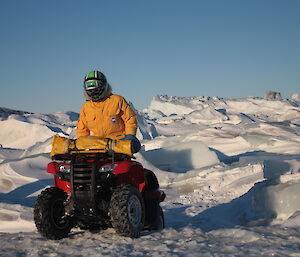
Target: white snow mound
[19, 134]
[181, 156]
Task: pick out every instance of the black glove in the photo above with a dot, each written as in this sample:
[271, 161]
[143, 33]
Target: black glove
[136, 145]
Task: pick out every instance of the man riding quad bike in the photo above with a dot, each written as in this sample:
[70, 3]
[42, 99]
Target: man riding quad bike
[98, 185]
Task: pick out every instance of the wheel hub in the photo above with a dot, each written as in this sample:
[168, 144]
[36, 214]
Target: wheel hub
[134, 209]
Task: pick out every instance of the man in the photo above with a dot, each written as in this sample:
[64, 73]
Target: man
[105, 114]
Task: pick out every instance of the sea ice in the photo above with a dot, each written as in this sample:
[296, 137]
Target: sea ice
[182, 156]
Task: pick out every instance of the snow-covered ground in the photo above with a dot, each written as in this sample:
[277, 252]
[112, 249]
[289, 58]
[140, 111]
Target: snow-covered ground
[229, 167]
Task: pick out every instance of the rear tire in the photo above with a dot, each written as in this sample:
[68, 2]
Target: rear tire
[159, 222]
[127, 211]
[151, 181]
[49, 214]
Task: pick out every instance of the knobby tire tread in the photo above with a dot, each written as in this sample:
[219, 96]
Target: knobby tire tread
[118, 211]
[42, 214]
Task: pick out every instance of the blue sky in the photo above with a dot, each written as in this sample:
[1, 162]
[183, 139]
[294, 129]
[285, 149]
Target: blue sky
[228, 48]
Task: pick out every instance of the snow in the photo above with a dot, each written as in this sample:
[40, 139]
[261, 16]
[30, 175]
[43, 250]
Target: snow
[230, 169]
[280, 201]
[181, 156]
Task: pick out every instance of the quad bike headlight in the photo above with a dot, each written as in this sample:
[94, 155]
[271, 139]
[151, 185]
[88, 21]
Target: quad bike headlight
[64, 168]
[107, 168]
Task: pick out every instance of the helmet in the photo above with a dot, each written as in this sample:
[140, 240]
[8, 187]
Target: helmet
[95, 85]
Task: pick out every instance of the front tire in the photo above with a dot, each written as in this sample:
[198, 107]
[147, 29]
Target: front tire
[127, 211]
[49, 214]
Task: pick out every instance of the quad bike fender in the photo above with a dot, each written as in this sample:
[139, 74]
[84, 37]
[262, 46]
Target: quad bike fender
[53, 168]
[130, 172]
[63, 185]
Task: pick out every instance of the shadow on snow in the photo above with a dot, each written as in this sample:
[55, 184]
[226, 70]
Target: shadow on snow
[22, 195]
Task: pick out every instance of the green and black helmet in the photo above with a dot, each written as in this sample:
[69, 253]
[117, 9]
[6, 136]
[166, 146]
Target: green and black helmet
[95, 85]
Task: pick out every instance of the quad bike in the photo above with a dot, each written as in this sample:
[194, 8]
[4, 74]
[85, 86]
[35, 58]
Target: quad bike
[97, 190]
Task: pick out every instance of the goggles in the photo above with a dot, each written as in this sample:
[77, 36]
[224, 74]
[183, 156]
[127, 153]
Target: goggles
[92, 84]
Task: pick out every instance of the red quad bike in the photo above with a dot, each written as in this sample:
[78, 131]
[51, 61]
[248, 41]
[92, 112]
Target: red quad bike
[99, 190]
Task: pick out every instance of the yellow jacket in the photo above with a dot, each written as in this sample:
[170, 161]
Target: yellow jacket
[112, 118]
